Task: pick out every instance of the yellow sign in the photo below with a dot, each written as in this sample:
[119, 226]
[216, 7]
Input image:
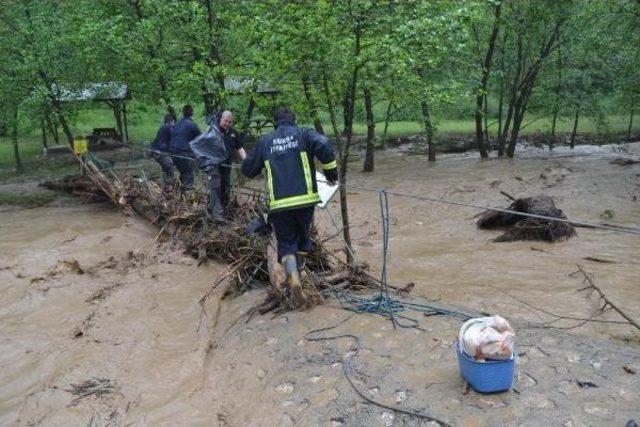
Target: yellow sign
[80, 146]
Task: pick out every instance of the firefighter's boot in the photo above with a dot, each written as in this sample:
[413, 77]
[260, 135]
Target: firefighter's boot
[290, 265]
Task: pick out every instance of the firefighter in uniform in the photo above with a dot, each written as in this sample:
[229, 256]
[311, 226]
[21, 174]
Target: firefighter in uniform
[160, 147]
[288, 156]
[183, 132]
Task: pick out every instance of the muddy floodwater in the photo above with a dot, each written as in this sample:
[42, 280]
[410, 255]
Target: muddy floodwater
[101, 325]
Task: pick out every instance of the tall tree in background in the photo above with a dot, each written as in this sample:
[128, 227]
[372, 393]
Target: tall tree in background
[482, 139]
[428, 40]
[533, 35]
[624, 19]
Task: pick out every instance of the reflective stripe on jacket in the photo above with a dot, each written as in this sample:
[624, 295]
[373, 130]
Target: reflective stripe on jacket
[288, 156]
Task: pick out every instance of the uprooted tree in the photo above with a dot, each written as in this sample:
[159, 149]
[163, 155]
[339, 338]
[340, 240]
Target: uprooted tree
[519, 227]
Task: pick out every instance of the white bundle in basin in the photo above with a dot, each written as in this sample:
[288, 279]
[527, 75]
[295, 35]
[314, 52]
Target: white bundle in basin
[487, 338]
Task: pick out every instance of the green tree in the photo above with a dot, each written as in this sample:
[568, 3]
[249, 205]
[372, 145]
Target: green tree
[532, 36]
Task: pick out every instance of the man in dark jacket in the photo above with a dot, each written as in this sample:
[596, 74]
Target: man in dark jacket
[213, 150]
[160, 146]
[288, 155]
[183, 132]
[233, 143]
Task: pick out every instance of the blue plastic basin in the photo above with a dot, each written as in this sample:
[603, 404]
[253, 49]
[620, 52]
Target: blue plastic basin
[491, 376]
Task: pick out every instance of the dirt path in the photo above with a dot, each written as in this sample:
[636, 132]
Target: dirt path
[87, 294]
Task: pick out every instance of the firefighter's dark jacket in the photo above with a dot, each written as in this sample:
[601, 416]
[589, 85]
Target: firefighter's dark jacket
[183, 132]
[163, 138]
[288, 156]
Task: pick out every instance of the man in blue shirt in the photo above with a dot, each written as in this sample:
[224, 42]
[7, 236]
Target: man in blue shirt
[183, 132]
[160, 146]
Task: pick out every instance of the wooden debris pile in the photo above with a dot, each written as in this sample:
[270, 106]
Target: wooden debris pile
[251, 259]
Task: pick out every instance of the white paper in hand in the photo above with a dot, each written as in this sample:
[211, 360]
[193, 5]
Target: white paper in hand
[325, 190]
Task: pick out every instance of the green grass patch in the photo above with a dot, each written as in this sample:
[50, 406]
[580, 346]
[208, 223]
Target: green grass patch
[27, 200]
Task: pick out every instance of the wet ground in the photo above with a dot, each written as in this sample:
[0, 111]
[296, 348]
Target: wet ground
[87, 294]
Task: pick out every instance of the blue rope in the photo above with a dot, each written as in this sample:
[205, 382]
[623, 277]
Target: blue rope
[383, 304]
[383, 300]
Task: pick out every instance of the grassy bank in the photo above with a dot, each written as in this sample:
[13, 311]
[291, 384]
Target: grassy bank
[143, 125]
[27, 200]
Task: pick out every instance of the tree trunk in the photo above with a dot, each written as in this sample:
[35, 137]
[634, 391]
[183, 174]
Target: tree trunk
[350, 104]
[482, 89]
[332, 111]
[56, 131]
[501, 90]
[513, 98]
[345, 114]
[14, 140]
[556, 108]
[500, 107]
[519, 111]
[53, 128]
[572, 143]
[387, 118]
[515, 132]
[369, 156]
[342, 172]
[116, 107]
[428, 127]
[486, 123]
[246, 123]
[65, 127]
[479, 133]
[630, 123]
[57, 107]
[43, 129]
[124, 118]
[214, 59]
[502, 139]
[524, 80]
[553, 129]
[313, 108]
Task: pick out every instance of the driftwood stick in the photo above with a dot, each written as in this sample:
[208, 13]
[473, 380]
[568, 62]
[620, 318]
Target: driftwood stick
[595, 259]
[336, 277]
[592, 285]
[508, 196]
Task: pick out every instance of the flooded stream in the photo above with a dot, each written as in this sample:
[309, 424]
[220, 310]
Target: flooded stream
[439, 248]
[86, 293]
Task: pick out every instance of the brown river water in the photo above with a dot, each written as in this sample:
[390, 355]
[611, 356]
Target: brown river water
[86, 293]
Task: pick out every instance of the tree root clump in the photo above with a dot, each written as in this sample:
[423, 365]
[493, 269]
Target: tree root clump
[517, 227]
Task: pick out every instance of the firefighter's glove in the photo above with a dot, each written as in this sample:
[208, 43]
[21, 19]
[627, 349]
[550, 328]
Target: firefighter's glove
[332, 176]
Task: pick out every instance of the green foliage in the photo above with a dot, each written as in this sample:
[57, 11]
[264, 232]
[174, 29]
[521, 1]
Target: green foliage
[409, 53]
